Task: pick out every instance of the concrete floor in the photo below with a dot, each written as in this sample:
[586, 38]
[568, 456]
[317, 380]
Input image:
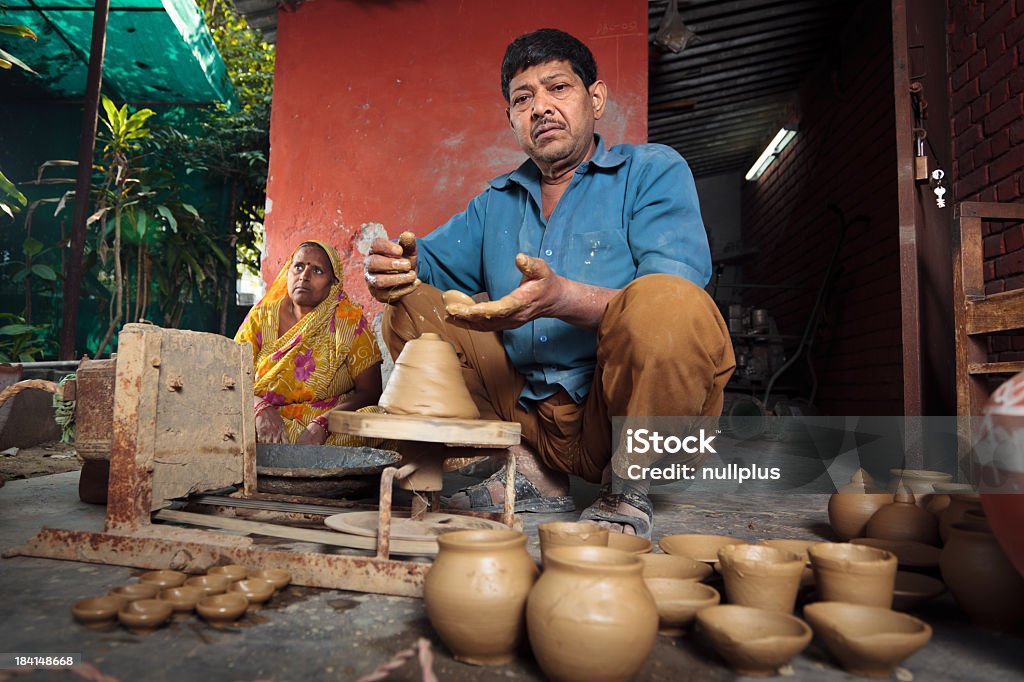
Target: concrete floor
[311, 634]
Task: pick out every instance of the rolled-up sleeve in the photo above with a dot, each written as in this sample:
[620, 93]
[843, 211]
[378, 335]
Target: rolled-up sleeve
[451, 257]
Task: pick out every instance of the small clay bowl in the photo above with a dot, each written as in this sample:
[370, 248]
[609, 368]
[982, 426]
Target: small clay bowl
[183, 599]
[678, 567]
[570, 533]
[219, 609]
[135, 591]
[761, 577]
[868, 640]
[908, 553]
[858, 574]
[698, 547]
[754, 642]
[164, 579]
[98, 610]
[145, 614]
[275, 576]
[209, 584]
[232, 572]
[913, 589]
[630, 544]
[679, 602]
[256, 590]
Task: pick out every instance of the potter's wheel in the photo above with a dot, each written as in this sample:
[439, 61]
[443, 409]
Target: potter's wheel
[419, 530]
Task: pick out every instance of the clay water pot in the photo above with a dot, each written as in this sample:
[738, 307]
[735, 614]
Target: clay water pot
[427, 380]
[850, 508]
[255, 590]
[677, 567]
[275, 576]
[630, 544]
[959, 505]
[219, 609]
[590, 617]
[164, 579]
[699, 547]
[868, 640]
[98, 610]
[904, 520]
[232, 572]
[183, 599]
[475, 593]
[145, 614]
[854, 573]
[679, 602]
[914, 589]
[761, 577]
[209, 584]
[754, 642]
[570, 533]
[983, 581]
[136, 591]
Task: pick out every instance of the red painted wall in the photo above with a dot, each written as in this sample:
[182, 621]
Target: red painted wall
[391, 112]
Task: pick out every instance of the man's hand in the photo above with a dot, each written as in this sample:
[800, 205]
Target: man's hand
[390, 268]
[270, 427]
[539, 294]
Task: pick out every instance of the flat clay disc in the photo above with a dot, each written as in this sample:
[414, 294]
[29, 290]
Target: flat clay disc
[426, 530]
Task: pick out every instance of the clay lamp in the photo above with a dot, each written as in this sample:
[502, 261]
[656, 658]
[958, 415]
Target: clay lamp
[256, 590]
[904, 520]
[854, 573]
[143, 615]
[164, 579]
[753, 642]
[183, 599]
[913, 589]
[275, 576]
[232, 572]
[868, 640]
[630, 544]
[698, 547]
[98, 611]
[761, 577]
[569, 533]
[909, 554]
[677, 567]
[679, 602]
[209, 584]
[221, 609]
[136, 591]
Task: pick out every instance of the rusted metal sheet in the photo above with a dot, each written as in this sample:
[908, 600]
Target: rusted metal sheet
[94, 408]
[359, 574]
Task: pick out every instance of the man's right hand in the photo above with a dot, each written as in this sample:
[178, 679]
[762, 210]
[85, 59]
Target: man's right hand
[391, 268]
[270, 427]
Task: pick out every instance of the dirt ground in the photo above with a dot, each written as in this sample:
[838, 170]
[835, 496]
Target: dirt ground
[40, 460]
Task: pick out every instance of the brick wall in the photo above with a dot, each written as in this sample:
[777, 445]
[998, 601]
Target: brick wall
[986, 83]
[844, 156]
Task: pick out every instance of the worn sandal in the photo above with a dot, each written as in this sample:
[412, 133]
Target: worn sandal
[528, 497]
[606, 509]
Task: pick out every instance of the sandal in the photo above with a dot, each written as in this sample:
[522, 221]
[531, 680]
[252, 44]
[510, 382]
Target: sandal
[606, 509]
[528, 497]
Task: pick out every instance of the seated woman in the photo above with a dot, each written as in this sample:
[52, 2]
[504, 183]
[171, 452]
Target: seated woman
[313, 351]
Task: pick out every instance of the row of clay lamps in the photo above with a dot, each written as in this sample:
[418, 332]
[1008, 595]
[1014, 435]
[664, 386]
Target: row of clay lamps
[220, 597]
[980, 576]
[484, 594]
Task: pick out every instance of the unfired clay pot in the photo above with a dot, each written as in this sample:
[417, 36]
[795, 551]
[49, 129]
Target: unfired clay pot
[209, 584]
[145, 614]
[678, 567]
[959, 504]
[98, 610]
[941, 499]
[983, 581]
[754, 642]
[850, 508]
[869, 641]
[256, 590]
[570, 533]
[275, 576]
[590, 617]
[232, 572]
[913, 589]
[904, 520]
[163, 579]
[218, 609]
[761, 577]
[920, 482]
[630, 544]
[135, 591]
[908, 553]
[475, 593]
[854, 573]
[183, 598]
[427, 381]
[679, 602]
[700, 547]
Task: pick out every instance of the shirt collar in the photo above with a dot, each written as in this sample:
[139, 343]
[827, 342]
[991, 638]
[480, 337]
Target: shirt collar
[528, 174]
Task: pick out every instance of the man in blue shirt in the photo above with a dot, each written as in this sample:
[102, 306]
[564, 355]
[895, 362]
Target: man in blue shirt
[593, 259]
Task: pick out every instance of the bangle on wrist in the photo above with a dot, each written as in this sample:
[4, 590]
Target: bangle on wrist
[321, 421]
[262, 406]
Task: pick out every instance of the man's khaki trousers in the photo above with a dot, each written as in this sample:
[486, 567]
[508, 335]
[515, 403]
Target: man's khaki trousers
[663, 349]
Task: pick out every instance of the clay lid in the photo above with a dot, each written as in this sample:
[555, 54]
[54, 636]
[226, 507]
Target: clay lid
[209, 584]
[697, 546]
[222, 607]
[255, 590]
[914, 588]
[181, 598]
[163, 578]
[135, 591]
[669, 566]
[232, 572]
[145, 613]
[97, 609]
[277, 577]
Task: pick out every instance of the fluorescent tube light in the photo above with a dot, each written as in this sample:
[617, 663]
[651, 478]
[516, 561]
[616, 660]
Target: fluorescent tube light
[774, 148]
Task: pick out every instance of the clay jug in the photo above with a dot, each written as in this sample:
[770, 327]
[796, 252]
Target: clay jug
[855, 503]
[959, 505]
[590, 617]
[427, 381]
[983, 581]
[475, 593]
[904, 520]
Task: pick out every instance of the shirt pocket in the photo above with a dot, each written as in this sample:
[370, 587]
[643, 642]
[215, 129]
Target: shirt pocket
[602, 257]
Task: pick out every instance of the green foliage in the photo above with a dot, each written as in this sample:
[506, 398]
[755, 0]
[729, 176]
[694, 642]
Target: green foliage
[21, 342]
[11, 200]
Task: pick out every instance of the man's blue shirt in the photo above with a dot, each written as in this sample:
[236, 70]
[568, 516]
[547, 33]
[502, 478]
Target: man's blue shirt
[630, 211]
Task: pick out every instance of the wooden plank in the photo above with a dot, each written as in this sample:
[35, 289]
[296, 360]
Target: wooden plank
[477, 432]
[995, 367]
[323, 537]
[996, 313]
[991, 210]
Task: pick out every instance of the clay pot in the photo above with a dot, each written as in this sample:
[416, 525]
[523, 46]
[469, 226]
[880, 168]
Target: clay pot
[798, 547]
[941, 499]
[255, 590]
[679, 602]
[913, 589]
[854, 573]
[752, 641]
[427, 380]
[999, 467]
[136, 591]
[98, 610]
[761, 577]
[903, 520]
[275, 576]
[219, 609]
[959, 504]
[677, 567]
[569, 533]
[983, 581]
[183, 599]
[475, 593]
[868, 640]
[209, 584]
[699, 547]
[590, 617]
[145, 614]
[1005, 513]
[909, 554]
[164, 579]
[630, 544]
[232, 572]
[850, 508]
[920, 482]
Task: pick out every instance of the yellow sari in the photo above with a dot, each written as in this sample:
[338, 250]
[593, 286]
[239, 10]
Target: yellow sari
[311, 368]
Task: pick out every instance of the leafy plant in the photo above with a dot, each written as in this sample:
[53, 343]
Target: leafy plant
[25, 271]
[21, 342]
[11, 200]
